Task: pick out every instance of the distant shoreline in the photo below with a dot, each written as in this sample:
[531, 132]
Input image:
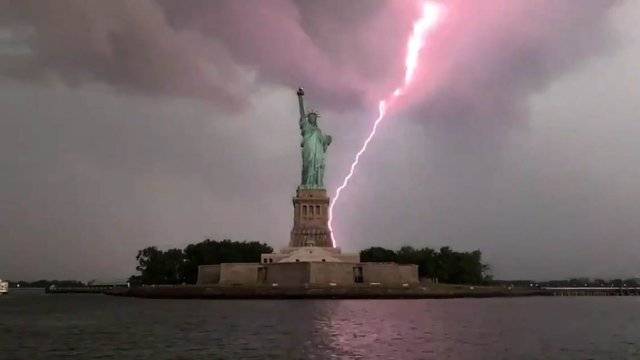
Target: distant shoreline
[356, 292]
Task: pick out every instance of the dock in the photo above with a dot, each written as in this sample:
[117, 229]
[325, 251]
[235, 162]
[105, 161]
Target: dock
[80, 289]
[593, 291]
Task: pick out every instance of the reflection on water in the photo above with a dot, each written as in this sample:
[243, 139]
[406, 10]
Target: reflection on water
[35, 325]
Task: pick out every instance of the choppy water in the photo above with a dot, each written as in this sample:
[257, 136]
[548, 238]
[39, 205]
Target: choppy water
[34, 325]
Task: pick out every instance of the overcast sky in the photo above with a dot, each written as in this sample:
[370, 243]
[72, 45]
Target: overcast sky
[129, 124]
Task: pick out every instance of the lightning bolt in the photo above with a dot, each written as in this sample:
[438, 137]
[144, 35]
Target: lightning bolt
[431, 13]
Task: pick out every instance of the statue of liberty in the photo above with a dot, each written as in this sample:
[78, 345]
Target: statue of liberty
[314, 148]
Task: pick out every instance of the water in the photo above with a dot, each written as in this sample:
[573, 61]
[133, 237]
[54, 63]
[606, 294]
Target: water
[34, 325]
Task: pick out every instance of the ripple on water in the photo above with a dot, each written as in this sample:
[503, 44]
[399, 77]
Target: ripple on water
[94, 326]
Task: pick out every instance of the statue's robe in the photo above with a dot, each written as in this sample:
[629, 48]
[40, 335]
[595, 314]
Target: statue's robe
[314, 147]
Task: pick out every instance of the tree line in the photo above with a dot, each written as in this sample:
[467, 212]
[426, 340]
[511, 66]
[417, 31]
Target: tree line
[45, 283]
[177, 266]
[444, 265]
[573, 282]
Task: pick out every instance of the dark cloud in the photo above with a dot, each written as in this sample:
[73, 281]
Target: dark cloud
[203, 49]
[482, 62]
[128, 45]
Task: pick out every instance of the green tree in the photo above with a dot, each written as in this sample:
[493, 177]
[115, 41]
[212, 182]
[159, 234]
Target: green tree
[426, 261]
[157, 266]
[407, 255]
[378, 254]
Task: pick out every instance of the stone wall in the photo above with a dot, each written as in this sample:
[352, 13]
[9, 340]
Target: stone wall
[313, 273]
[409, 274]
[324, 273]
[389, 274]
[288, 274]
[383, 273]
[239, 273]
[208, 274]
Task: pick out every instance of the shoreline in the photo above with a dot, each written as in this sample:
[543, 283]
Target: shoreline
[334, 292]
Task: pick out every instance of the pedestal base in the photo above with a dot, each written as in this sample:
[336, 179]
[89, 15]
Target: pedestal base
[310, 254]
[310, 219]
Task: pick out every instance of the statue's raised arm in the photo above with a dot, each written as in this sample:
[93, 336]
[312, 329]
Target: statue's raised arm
[301, 102]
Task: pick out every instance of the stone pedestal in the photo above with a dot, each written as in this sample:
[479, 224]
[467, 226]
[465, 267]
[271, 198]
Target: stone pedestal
[309, 254]
[310, 219]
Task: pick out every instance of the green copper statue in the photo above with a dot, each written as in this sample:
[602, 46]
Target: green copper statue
[314, 148]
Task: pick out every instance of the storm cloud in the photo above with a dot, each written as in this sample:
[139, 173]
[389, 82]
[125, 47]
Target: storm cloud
[350, 54]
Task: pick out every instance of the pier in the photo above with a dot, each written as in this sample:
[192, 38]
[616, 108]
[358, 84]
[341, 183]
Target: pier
[592, 291]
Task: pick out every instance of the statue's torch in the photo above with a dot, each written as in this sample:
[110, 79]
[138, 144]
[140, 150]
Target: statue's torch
[301, 101]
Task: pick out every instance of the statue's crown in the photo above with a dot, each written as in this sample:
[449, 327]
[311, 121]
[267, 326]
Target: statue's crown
[313, 111]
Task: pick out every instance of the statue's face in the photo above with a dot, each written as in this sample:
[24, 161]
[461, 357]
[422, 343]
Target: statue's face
[313, 119]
